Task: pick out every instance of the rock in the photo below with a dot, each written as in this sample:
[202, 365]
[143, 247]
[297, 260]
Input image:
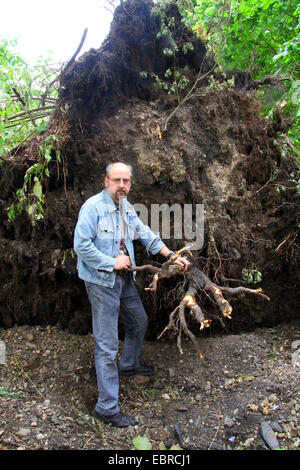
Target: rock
[198, 421]
[228, 383]
[296, 358]
[228, 421]
[30, 337]
[269, 435]
[276, 426]
[45, 404]
[295, 344]
[182, 408]
[178, 432]
[22, 432]
[141, 379]
[31, 345]
[207, 388]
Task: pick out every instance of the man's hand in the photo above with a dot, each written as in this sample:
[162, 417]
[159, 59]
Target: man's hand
[182, 262]
[122, 262]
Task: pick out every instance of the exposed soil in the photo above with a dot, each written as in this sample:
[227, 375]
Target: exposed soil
[48, 390]
[216, 150]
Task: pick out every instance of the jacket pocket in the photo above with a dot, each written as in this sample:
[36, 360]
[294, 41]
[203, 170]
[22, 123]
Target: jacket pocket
[104, 232]
[131, 235]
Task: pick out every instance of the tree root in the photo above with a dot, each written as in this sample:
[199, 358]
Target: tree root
[197, 281]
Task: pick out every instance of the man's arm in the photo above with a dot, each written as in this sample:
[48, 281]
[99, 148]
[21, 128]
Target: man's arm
[181, 261]
[153, 243]
[85, 233]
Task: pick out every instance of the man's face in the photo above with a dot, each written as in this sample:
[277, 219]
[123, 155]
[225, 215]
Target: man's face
[118, 182]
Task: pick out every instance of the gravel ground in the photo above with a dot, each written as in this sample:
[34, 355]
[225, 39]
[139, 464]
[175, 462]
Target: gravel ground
[244, 394]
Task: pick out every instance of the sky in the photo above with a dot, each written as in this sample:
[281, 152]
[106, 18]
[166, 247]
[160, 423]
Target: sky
[54, 25]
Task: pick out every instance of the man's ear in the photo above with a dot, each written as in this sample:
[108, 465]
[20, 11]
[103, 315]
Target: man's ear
[106, 181]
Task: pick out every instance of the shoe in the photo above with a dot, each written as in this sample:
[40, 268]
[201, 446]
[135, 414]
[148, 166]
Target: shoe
[143, 369]
[119, 420]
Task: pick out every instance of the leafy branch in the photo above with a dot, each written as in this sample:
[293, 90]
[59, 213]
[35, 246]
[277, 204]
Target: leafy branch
[27, 98]
[30, 196]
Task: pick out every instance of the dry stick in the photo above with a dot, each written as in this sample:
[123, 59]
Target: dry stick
[20, 98]
[74, 55]
[31, 111]
[17, 444]
[282, 243]
[26, 377]
[216, 433]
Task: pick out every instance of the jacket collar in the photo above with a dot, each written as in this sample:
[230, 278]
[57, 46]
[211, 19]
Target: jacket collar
[111, 206]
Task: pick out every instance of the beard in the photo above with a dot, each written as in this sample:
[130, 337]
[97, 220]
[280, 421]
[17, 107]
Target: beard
[118, 193]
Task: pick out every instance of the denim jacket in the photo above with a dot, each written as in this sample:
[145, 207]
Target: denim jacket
[98, 235]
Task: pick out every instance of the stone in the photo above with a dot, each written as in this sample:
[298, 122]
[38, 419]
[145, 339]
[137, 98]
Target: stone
[228, 421]
[295, 344]
[22, 432]
[276, 426]
[269, 436]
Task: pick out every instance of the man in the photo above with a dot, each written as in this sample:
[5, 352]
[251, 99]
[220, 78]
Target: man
[103, 242]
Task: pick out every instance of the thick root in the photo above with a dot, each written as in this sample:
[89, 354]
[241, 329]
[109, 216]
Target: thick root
[197, 281]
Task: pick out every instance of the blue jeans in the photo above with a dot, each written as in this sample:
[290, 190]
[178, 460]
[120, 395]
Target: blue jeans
[106, 304]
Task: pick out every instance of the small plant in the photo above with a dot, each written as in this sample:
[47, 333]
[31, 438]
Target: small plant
[4, 393]
[31, 196]
[252, 275]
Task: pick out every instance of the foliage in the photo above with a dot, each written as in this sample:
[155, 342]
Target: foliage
[259, 37]
[27, 96]
[251, 274]
[262, 37]
[4, 393]
[174, 81]
[142, 443]
[31, 196]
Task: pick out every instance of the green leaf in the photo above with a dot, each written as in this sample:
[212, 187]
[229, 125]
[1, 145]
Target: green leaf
[38, 190]
[142, 443]
[42, 127]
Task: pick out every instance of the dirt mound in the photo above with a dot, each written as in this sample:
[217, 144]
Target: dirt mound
[212, 149]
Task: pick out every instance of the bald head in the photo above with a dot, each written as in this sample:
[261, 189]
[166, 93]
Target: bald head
[117, 166]
[118, 180]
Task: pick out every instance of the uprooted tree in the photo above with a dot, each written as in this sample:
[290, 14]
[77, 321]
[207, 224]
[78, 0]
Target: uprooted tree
[193, 135]
[195, 281]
